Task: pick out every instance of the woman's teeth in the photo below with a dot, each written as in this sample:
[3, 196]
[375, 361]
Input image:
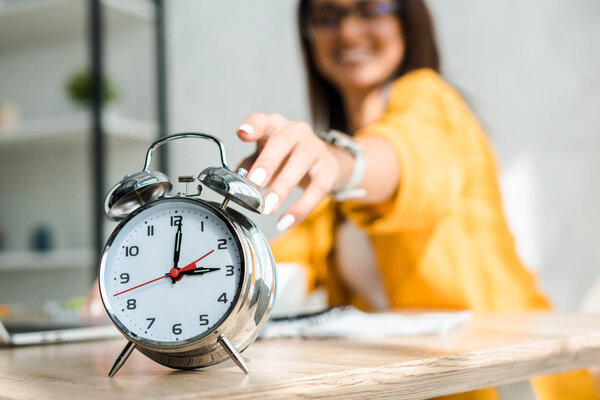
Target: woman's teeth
[354, 56]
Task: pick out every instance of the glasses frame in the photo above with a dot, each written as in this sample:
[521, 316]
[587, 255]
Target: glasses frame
[310, 30]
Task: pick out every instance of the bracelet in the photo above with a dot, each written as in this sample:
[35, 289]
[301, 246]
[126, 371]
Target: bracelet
[350, 190]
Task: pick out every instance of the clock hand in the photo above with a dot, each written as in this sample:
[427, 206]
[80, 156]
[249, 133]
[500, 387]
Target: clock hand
[174, 273]
[177, 250]
[143, 284]
[199, 271]
[178, 237]
[192, 265]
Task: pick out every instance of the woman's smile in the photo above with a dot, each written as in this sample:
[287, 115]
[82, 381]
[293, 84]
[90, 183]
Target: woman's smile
[353, 56]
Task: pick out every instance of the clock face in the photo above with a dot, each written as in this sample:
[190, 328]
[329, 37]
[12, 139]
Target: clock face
[172, 273]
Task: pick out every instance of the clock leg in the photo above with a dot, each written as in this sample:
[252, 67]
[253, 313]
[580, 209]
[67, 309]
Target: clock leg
[122, 358]
[233, 353]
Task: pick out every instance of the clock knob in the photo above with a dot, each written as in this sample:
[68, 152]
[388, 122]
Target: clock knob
[234, 186]
[133, 192]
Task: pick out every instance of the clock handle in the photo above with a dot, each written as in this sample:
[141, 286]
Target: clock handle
[184, 135]
[233, 353]
[122, 358]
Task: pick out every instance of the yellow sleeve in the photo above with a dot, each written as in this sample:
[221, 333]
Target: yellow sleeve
[420, 124]
[309, 243]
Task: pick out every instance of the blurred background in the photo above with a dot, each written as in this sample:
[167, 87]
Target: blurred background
[530, 70]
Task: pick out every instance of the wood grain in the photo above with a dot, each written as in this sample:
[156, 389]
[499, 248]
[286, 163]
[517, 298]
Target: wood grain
[493, 349]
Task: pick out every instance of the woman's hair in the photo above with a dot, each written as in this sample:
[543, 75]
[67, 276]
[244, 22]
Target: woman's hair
[421, 51]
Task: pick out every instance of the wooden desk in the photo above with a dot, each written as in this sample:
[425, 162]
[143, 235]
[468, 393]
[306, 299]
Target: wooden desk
[489, 351]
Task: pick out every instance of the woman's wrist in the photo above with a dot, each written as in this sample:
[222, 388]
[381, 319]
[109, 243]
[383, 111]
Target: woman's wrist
[345, 162]
[351, 162]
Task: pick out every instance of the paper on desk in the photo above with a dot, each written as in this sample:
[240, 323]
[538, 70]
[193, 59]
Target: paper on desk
[348, 322]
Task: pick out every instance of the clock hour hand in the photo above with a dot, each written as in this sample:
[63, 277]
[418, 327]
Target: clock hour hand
[199, 271]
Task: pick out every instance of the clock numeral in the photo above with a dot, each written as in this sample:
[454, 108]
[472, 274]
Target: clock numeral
[150, 230]
[229, 270]
[222, 244]
[204, 319]
[201, 226]
[131, 251]
[223, 298]
[131, 304]
[151, 322]
[176, 220]
[177, 329]
[124, 277]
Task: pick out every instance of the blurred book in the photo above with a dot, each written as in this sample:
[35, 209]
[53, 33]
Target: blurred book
[300, 313]
[348, 322]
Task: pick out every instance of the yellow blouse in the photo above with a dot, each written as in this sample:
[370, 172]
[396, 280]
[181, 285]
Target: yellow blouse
[443, 240]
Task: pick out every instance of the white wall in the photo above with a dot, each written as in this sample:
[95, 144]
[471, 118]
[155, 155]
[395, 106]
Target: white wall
[229, 59]
[529, 68]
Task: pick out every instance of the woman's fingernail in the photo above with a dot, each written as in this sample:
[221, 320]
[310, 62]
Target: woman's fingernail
[258, 176]
[285, 222]
[246, 128]
[270, 202]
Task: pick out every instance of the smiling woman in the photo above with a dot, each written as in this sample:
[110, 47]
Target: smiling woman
[400, 39]
[403, 209]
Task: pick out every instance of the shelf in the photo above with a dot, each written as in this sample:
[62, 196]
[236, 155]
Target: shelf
[74, 130]
[30, 21]
[19, 260]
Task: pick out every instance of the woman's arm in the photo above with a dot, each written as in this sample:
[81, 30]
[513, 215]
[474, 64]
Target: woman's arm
[289, 154]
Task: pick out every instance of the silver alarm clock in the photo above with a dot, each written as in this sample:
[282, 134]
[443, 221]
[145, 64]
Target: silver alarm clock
[188, 282]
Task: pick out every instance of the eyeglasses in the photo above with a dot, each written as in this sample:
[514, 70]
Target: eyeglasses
[328, 17]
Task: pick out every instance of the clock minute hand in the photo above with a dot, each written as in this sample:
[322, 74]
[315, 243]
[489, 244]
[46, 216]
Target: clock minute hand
[178, 237]
[176, 252]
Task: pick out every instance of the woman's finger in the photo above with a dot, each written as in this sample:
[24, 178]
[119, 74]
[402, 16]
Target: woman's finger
[269, 160]
[309, 200]
[298, 164]
[275, 150]
[322, 180]
[257, 127]
[251, 128]
[247, 162]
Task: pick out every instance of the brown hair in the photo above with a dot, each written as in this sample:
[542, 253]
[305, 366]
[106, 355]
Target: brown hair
[421, 51]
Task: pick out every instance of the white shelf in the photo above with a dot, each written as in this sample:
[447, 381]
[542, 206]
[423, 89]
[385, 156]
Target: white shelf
[72, 130]
[20, 260]
[29, 21]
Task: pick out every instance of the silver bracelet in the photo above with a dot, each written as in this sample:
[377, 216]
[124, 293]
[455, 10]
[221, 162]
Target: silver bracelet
[343, 141]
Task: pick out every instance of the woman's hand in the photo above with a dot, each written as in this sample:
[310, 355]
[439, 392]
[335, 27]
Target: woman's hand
[289, 154]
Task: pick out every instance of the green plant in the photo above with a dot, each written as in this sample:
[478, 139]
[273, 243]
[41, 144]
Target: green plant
[79, 88]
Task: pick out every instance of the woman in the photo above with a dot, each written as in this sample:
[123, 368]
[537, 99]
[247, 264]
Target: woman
[429, 230]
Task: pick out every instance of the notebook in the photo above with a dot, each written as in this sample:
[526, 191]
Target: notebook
[29, 332]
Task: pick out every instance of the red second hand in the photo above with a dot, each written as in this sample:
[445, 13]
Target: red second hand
[188, 267]
[192, 265]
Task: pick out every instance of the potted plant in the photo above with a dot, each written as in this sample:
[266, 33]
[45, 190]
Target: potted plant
[79, 88]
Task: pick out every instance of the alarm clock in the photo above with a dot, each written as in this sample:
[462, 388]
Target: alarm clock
[188, 282]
